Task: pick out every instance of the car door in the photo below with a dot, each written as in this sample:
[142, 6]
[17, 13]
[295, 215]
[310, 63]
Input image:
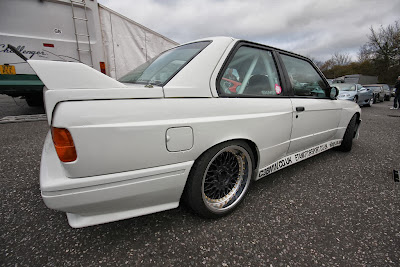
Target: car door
[315, 115]
[251, 82]
[364, 95]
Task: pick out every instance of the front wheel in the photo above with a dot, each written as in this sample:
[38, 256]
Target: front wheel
[219, 179]
[348, 136]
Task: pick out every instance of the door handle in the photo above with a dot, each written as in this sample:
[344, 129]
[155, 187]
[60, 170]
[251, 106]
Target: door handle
[299, 109]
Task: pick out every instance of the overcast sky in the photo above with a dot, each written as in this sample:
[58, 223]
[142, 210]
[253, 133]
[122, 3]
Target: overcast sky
[316, 28]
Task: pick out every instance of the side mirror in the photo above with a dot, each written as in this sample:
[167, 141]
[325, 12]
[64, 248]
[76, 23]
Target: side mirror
[334, 92]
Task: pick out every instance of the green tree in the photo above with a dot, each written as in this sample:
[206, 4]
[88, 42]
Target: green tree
[383, 49]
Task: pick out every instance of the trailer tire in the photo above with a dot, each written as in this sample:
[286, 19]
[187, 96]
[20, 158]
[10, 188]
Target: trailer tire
[34, 101]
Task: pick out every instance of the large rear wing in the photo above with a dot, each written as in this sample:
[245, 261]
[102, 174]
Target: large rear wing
[58, 75]
[70, 81]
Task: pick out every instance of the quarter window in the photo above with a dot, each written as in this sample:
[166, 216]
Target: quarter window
[250, 72]
[304, 79]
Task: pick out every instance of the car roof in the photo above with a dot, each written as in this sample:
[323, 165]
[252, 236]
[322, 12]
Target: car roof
[217, 38]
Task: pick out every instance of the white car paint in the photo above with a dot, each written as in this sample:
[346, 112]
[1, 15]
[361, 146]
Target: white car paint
[318, 123]
[136, 143]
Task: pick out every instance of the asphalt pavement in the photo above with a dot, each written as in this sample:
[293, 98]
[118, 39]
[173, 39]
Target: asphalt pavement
[15, 106]
[334, 209]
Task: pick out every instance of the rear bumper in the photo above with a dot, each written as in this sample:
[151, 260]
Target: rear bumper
[111, 197]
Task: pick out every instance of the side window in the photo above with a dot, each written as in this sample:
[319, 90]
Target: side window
[250, 72]
[304, 78]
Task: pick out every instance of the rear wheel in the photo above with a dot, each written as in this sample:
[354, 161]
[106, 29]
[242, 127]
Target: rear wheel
[219, 179]
[34, 101]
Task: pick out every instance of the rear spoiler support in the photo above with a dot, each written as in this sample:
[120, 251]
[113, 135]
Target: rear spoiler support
[12, 48]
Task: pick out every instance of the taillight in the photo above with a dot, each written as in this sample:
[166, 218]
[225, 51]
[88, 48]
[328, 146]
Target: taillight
[64, 144]
[103, 67]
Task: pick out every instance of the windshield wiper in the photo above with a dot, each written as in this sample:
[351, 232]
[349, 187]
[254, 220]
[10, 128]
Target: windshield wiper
[158, 83]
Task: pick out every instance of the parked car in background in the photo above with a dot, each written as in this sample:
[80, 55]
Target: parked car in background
[173, 129]
[355, 92]
[388, 93]
[378, 91]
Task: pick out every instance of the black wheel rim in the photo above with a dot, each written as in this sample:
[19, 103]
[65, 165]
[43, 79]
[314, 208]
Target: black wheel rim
[226, 178]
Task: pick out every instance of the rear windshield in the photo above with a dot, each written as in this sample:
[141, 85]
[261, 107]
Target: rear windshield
[161, 69]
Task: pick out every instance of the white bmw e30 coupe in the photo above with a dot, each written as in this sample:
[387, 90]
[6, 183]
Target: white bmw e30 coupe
[198, 123]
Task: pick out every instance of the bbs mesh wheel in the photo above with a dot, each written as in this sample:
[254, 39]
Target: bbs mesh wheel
[219, 179]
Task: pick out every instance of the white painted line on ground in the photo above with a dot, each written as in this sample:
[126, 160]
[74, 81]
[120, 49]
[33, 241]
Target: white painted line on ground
[23, 118]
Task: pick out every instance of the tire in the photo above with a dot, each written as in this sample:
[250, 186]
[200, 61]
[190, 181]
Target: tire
[348, 136]
[34, 101]
[219, 179]
[355, 99]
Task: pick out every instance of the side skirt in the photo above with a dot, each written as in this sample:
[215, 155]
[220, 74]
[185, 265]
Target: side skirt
[296, 157]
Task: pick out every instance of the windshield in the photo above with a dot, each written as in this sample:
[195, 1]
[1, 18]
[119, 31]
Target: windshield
[345, 86]
[161, 69]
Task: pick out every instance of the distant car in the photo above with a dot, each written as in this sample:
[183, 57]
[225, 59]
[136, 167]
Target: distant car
[388, 94]
[379, 93]
[355, 92]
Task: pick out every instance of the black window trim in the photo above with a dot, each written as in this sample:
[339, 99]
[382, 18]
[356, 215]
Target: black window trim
[232, 53]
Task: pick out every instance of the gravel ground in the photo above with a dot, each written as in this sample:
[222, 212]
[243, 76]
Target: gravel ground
[335, 209]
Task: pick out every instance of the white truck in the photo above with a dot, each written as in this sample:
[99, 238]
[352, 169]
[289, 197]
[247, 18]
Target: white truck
[69, 30]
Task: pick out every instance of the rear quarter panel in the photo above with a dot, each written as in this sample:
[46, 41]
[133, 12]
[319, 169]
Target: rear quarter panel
[122, 135]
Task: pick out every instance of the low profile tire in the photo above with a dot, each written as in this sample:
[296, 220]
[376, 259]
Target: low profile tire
[355, 99]
[375, 99]
[347, 141]
[219, 179]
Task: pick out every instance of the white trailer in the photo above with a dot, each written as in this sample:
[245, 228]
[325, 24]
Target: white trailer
[69, 30]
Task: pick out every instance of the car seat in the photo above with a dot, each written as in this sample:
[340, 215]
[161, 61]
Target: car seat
[258, 85]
